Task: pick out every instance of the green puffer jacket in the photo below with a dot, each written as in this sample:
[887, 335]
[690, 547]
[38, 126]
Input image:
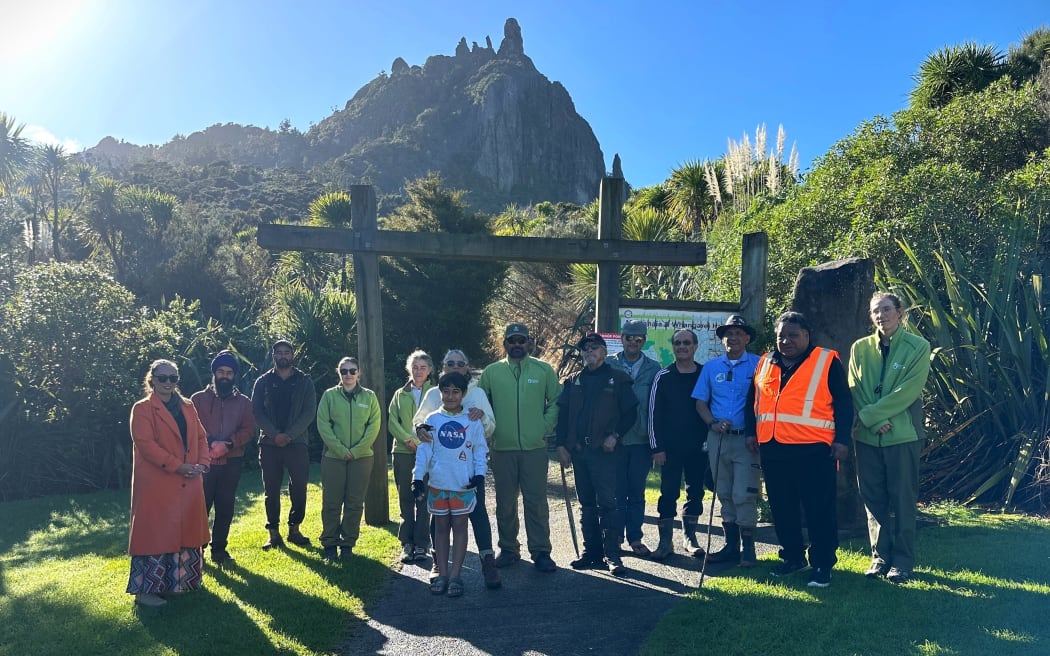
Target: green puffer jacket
[399, 421]
[348, 424]
[890, 391]
[523, 397]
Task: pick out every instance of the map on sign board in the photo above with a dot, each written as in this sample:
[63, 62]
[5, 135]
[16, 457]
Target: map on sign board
[662, 324]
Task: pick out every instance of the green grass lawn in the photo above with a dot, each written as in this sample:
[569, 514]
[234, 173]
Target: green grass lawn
[982, 587]
[64, 568]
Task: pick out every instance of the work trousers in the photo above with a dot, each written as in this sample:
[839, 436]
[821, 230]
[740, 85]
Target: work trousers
[691, 462]
[600, 520]
[802, 475]
[220, 491]
[274, 460]
[888, 477]
[343, 487]
[525, 473]
[415, 518]
[737, 476]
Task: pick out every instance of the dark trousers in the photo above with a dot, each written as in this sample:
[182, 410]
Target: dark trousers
[415, 518]
[220, 490]
[633, 467]
[691, 462]
[802, 475]
[600, 521]
[274, 460]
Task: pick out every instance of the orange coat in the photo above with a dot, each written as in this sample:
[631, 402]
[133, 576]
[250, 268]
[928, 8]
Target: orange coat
[167, 509]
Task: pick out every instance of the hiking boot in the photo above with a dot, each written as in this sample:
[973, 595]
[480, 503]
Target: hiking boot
[666, 546]
[820, 578]
[898, 576]
[542, 561]
[747, 552]
[274, 541]
[691, 544]
[615, 565]
[876, 569]
[295, 537]
[408, 553]
[730, 553]
[489, 571]
[507, 558]
[346, 552]
[588, 561]
[789, 567]
[220, 556]
[330, 554]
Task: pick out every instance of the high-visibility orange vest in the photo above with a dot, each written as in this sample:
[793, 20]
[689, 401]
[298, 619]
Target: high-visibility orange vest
[802, 412]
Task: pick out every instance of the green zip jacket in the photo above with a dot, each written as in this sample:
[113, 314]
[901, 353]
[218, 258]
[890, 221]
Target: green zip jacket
[901, 378]
[399, 422]
[348, 425]
[524, 397]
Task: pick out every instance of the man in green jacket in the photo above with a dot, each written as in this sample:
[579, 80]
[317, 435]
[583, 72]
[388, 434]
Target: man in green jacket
[523, 392]
[887, 372]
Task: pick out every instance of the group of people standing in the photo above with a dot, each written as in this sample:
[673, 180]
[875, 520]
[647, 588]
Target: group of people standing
[787, 417]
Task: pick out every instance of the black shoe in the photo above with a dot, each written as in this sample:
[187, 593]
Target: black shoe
[588, 561]
[346, 552]
[297, 538]
[507, 558]
[898, 576]
[330, 554]
[542, 561]
[615, 566]
[788, 567]
[820, 578]
[221, 556]
[876, 569]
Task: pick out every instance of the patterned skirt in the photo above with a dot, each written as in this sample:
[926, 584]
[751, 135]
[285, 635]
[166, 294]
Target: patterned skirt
[170, 572]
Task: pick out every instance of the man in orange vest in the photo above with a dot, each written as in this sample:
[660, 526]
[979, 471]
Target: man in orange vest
[799, 414]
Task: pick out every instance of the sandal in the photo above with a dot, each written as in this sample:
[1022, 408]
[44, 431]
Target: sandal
[640, 549]
[455, 588]
[439, 585]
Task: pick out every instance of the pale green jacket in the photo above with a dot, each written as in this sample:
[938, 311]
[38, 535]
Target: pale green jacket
[524, 400]
[902, 377]
[399, 423]
[348, 426]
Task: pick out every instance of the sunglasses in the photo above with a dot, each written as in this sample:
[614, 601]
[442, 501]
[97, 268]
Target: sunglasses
[591, 347]
[681, 342]
[634, 338]
[164, 378]
[455, 363]
[517, 341]
[348, 372]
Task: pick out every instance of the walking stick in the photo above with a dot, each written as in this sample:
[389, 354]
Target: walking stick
[711, 512]
[568, 511]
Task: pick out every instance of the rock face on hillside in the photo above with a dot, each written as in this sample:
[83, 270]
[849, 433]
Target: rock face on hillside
[486, 119]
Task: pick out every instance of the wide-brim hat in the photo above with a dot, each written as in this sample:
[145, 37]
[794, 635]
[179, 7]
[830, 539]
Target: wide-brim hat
[735, 321]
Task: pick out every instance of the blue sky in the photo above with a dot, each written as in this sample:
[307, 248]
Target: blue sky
[659, 82]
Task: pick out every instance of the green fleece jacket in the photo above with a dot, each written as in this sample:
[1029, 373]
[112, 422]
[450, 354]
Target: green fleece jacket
[399, 422]
[523, 397]
[348, 425]
[890, 390]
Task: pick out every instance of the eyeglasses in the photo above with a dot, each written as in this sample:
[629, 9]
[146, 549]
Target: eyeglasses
[516, 341]
[455, 363]
[348, 372]
[591, 347]
[681, 342]
[164, 378]
[634, 338]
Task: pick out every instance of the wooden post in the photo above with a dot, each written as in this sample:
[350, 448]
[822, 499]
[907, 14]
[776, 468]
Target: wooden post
[370, 342]
[610, 217]
[753, 273]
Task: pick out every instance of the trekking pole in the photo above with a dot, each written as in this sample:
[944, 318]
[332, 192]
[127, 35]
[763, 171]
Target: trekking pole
[711, 512]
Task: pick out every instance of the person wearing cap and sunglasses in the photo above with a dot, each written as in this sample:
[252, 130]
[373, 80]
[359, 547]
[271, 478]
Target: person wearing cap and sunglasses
[168, 520]
[284, 402]
[721, 393]
[596, 408]
[635, 459]
[523, 392]
[478, 409]
[226, 415]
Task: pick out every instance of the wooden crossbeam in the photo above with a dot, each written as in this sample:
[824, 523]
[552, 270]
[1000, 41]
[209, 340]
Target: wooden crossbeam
[444, 245]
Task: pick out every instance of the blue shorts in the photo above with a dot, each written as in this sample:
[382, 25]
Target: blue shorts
[450, 502]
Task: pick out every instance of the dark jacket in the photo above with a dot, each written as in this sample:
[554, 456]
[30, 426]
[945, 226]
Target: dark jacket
[302, 410]
[601, 401]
